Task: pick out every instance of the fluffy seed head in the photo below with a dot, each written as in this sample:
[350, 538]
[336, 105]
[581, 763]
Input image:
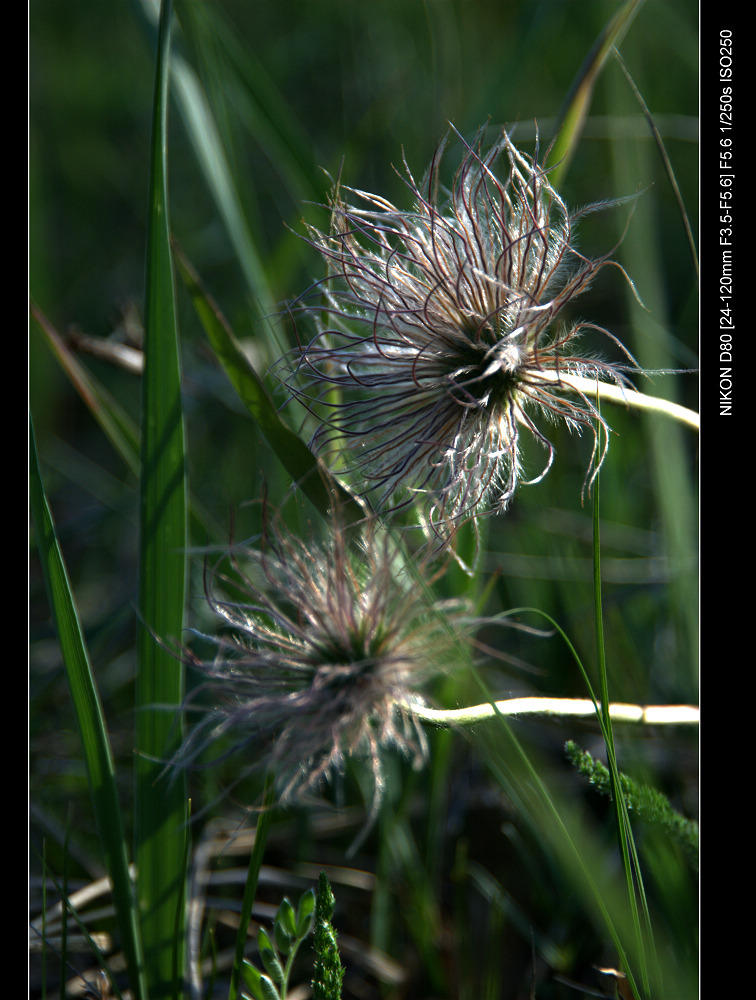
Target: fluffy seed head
[322, 655]
[438, 339]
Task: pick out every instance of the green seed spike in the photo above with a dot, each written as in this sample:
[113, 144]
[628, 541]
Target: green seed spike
[329, 972]
[643, 801]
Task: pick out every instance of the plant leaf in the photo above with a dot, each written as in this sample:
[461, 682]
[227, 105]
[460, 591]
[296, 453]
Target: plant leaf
[252, 977]
[268, 990]
[305, 913]
[160, 805]
[285, 927]
[90, 720]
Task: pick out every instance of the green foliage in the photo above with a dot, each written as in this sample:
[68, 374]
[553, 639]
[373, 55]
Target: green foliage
[90, 718]
[646, 803]
[267, 101]
[160, 806]
[277, 953]
[329, 972]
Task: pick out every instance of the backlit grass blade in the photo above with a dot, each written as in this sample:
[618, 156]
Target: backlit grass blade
[90, 720]
[161, 804]
[578, 101]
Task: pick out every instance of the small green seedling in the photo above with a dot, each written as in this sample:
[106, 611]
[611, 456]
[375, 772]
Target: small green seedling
[277, 951]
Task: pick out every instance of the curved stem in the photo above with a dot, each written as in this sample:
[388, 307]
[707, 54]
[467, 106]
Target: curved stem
[618, 394]
[560, 707]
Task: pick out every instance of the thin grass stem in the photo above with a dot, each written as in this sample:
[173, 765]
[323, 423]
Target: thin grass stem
[250, 888]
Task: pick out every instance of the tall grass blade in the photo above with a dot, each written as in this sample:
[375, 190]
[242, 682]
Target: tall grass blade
[559, 831]
[231, 66]
[671, 463]
[115, 422]
[630, 861]
[289, 448]
[90, 721]
[668, 168]
[208, 147]
[160, 804]
[250, 887]
[576, 105]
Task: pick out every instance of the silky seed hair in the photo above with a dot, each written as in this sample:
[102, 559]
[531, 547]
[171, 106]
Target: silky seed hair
[328, 645]
[439, 335]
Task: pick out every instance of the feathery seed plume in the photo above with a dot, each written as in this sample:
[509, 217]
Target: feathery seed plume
[321, 658]
[438, 339]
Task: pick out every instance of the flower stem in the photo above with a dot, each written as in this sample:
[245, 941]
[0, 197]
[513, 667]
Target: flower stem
[618, 394]
[561, 707]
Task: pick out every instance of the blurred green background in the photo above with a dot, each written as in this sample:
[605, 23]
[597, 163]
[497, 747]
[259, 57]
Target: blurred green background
[298, 92]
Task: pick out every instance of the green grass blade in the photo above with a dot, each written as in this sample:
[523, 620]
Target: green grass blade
[90, 720]
[291, 451]
[668, 168]
[630, 861]
[672, 465]
[117, 425]
[558, 828]
[250, 887]
[161, 804]
[578, 101]
[208, 147]
[624, 833]
[230, 66]
[620, 917]
[580, 855]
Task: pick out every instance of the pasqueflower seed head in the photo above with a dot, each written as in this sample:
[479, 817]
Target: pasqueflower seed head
[438, 338]
[321, 657]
